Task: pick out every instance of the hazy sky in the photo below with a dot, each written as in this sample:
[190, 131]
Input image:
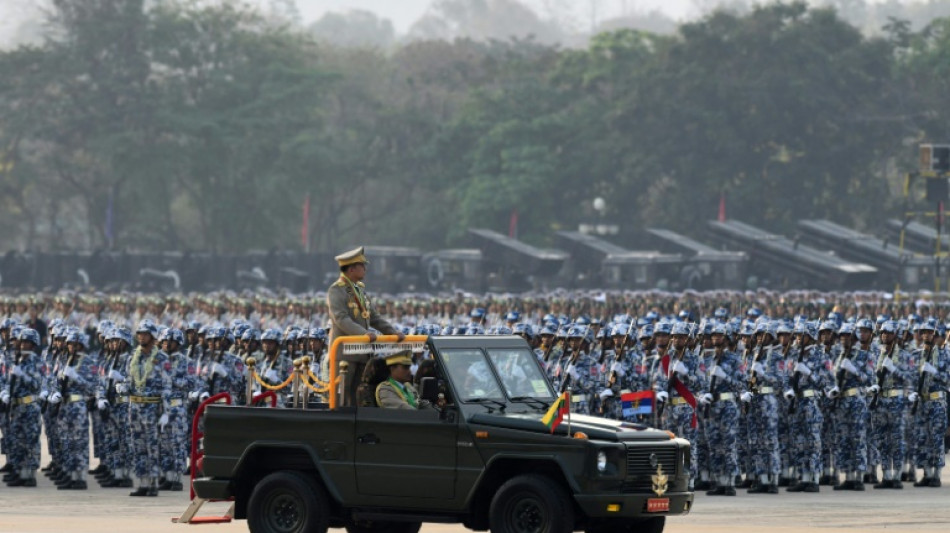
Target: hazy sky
[404, 12]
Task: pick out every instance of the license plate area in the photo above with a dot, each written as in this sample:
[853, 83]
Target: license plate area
[658, 505]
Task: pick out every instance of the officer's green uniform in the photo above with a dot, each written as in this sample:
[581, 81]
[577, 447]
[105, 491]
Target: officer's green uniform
[351, 312]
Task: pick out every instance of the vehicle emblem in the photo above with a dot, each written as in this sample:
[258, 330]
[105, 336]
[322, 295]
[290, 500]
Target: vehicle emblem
[660, 481]
[653, 460]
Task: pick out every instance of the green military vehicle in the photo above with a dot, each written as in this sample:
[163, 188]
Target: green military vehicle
[484, 460]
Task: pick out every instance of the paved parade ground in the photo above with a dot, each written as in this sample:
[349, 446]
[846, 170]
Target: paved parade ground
[45, 509]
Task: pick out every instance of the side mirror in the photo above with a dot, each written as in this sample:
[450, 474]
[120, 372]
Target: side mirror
[430, 389]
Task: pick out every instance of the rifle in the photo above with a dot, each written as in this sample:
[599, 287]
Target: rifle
[840, 375]
[671, 378]
[17, 359]
[796, 378]
[713, 382]
[882, 375]
[753, 380]
[112, 357]
[923, 379]
[63, 390]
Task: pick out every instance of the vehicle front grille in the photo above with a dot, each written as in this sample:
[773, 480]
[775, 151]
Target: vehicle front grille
[640, 466]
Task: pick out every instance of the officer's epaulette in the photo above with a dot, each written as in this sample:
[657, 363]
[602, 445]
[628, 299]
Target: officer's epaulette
[360, 283]
[339, 283]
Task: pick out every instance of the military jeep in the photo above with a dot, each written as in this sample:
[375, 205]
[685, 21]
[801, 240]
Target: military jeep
[484, 459]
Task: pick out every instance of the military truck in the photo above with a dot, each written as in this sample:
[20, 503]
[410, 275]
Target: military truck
[484, 459]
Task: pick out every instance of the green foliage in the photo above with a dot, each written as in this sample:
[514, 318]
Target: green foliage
[209, 123]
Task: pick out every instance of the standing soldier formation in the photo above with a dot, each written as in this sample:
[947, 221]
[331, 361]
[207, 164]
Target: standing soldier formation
[794, 396]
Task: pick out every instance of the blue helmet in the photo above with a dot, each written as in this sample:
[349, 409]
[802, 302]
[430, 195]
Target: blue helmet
[252, 334]
[828, 325]
[513, 316]
[548, 330]
[478, 312]
[271, 334]
[719, 329]
[147, 326]
[620, 330]
[474, 330]
[680, 328]
[753, 313]
[721, 313]
[864, 323]
[645, 332]
[104, 326]
[31, 335]
[928, 325]
[79, 338]
[847, 329]
[447, 330]
[318, 333]
[173, 334]
[194, 325]
[663, 327]
[503, 330]
[889, 326]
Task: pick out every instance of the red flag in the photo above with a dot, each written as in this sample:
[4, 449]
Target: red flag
[513, 224]
[680, 388]
[305, 225]
[722, 207]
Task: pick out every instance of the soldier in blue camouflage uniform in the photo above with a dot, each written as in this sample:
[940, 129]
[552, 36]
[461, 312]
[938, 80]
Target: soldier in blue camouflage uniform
[176, 436]
[113, 397]
[745, 351]
[893, 371]
[223, 371]
[150, 388]
[765, 381]
[7, 352]
[20, 395]
[575, 369]
[682, 367]
[853, 370]
[97, 421]
[273, 366]
[931, 400]
[827, 333]
[73, 385]
[725, 385]
[812, 372]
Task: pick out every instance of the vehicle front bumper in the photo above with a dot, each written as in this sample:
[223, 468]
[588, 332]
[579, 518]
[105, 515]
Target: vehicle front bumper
[632, 505]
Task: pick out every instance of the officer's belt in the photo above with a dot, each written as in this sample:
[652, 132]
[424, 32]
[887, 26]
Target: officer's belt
[851, 392]
[678, 400]
[725, 397]
[72, 398]
[766, 390]
[23, 400]
[145, 399]
[938, 395]
[809, 393]
[122, 399]
[578, 398]
[176, 402]
[893, 393]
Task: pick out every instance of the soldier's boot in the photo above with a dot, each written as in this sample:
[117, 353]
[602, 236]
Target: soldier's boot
[10, 477]
[737, 481]
[143, 488]
[718, 491]
[153, 488]
[98, 470]
[895, 482]
[811, 487]
[827, 477]
[924, 481]
[858, 485]
[704, 483]
[49, 466]
[747, 483]
[935, 478]
[761, 485]
[7, 468]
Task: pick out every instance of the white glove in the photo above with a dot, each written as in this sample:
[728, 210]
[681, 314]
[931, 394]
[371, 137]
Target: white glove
[874, 389]
[680, 368]
[271, 375]
[55, 398]
[889, 365]
[662, 396]
[572, 371]
[204, 396]
[706, 398]
[5, 397]
[746, 396]
[44, 395]
[116, 376]
[929, 368]
[719, 372]
[617, 368]
[913, 397]
[17, 371]
[193, 395]
[833, 393]
[70, 372]
[789, 394]
[102, 404]
[849, 366]
[163, 421]
[219, 370]
[758, 369]
[121, 388]
[606, 393]
[802, 369]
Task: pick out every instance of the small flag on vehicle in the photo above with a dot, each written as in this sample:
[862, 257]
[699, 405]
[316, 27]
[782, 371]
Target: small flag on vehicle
[561, 407]
[637, 403]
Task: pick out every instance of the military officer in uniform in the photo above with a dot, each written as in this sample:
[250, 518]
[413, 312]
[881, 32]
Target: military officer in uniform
[397, 392]
[351, 312]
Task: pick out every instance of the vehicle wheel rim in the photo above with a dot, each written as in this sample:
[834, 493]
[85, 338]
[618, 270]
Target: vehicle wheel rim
[527, 515]
[284, 512]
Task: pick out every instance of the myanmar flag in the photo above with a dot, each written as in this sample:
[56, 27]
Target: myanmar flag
[559, 408]
[637, 403]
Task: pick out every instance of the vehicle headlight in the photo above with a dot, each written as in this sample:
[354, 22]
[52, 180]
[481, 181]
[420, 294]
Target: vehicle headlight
[601, 461]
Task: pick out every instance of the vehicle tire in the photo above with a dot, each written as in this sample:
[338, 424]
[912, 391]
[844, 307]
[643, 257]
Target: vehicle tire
[531, 504]
[634, 525]
[288, 502]
[375, 526]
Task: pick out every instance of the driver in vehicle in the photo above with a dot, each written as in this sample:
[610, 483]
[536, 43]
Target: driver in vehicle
[397, 392]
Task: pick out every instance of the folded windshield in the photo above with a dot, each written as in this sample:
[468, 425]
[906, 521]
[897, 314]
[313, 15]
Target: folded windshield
[476, 376]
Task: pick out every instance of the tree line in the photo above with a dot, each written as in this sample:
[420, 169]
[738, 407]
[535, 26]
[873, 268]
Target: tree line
[186, 125]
